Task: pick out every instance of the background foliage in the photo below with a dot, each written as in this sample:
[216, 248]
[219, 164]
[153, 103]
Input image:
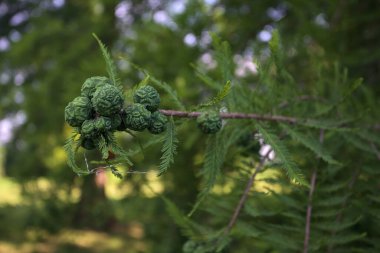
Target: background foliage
[311, 68]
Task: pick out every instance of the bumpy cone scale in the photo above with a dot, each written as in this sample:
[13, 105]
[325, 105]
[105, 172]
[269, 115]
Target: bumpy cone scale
[147, 96]
[107, 100]
[209, 122]
[77, 111]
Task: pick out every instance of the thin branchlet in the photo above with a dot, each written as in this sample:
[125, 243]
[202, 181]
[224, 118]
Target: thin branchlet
[235, 115]
[310, 204]
[244, 197]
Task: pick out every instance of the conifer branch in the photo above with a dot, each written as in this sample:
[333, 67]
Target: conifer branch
[244, 197]
[234, 115]
[309, 210]
[260, 117]
[310, 205]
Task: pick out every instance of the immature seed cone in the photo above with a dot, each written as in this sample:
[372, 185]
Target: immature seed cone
[137, 117]
[77, 111]
[157, 123]
[91, 84]
[88, 144]
[107, 100]
[102, 124]
[88, 129]
[147, 96]
[209, 122]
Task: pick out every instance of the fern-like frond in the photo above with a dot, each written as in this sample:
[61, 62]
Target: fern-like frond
[337, 125]
[259, 212]
[274, 46]
[207, 80]
[169, 147]
[310, 143]
[340, 239]
[369, 136]
[336, 186]
[347, 95]
[331, 226]
[102, 145]
[214, 157]
[328, 213]
[216, 150]
[70, 148]
[291, 168]
[222, 54]
[332, 201]
[110, 64]
[219, 97]
[358, 143]
[246, 230]
[282, 240]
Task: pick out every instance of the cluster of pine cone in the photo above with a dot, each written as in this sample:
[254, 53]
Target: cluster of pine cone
[100, 109]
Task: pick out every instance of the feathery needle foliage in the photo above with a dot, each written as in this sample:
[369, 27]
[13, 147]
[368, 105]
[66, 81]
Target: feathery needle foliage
[70, 147]
[110, 64]
[169, 147]
[217, 147]
[219, 97]
[291, 168]
[310, 143]
[275, 214]
[214, 157]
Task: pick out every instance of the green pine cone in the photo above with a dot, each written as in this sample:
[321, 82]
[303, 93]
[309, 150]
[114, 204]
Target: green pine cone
[157, 123]
[107, 100]
[102, 124]
[137, 117]
[92, 84]
[147, 96]
[209, 122]
[88, 144]
[88, 129]
[77, 111]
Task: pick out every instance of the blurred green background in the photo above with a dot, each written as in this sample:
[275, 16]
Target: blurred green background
[46, 53]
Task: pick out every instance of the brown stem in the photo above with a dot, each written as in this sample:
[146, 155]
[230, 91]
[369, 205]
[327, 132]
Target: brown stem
[238, 115]
[245, 194]
[310, 204]
[234, 115]
[308, 214]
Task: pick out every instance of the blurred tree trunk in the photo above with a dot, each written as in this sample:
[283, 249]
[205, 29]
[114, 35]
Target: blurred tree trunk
[91, 210]
[87, 209]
